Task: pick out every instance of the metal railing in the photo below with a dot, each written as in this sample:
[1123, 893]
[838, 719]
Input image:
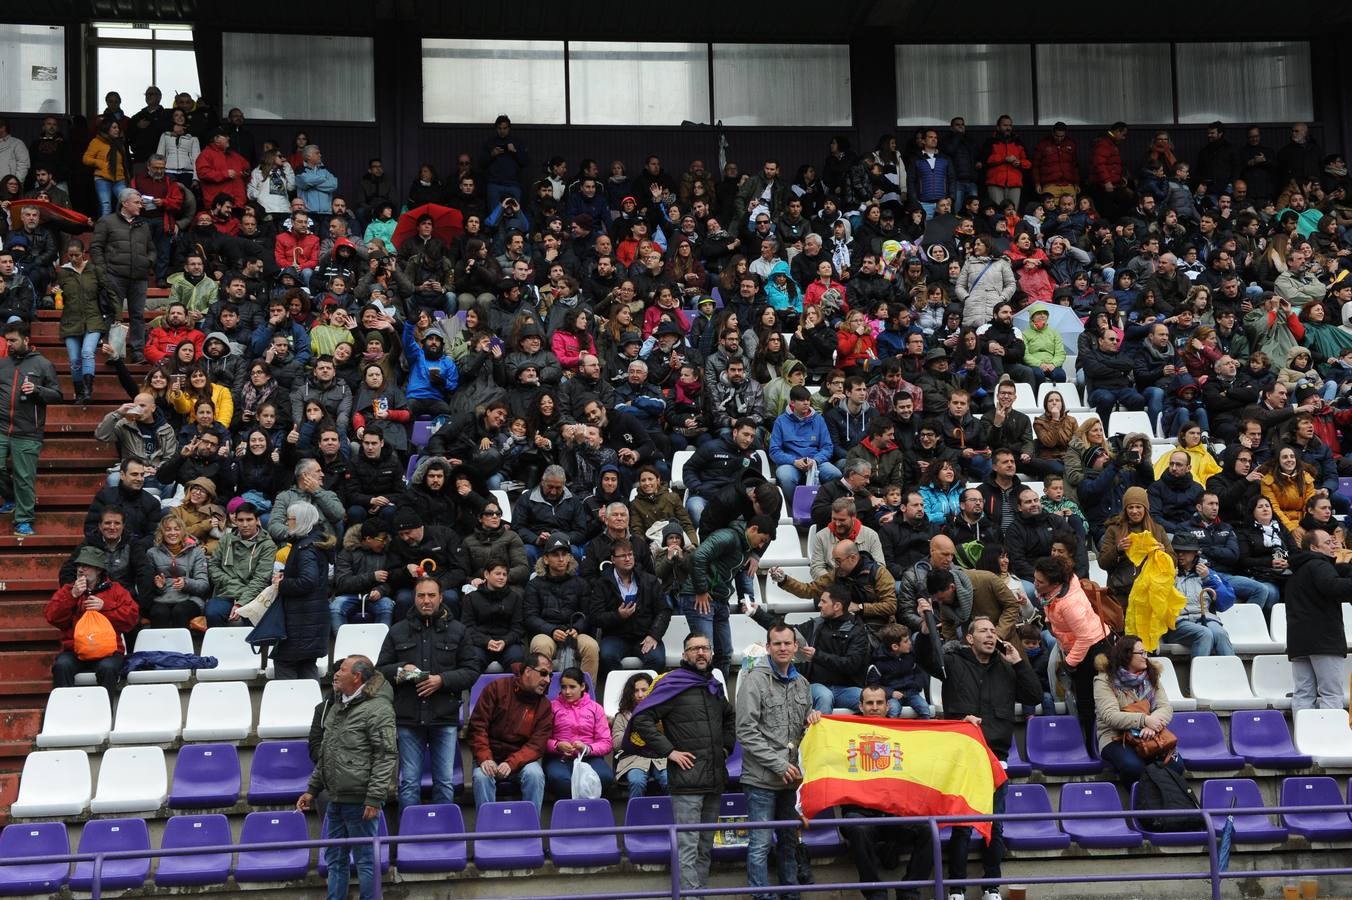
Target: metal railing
[1210, 817]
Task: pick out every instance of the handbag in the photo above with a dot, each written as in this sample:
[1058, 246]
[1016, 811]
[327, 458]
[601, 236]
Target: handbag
[1159, 748]
[270, 630]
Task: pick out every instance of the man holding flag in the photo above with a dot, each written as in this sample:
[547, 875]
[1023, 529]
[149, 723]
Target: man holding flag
[774, 707]
[686, 719]
[982, 682]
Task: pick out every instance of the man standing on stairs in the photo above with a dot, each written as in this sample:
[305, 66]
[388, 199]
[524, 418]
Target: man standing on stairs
[27, 384]
[122, 246]
[90, 589]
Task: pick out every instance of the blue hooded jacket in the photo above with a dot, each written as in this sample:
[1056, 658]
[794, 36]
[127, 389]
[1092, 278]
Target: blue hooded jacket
[420, 386]
[793, 438]
[788, 297]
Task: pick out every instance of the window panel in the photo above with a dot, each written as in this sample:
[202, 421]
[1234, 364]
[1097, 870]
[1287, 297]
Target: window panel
[336, 83]
[175, 72]
[476, 81]
[1267, 81]
[33, 68]
[126, 70]
[662, 84]
[979, 82]
[1090, 84]
[782, 84]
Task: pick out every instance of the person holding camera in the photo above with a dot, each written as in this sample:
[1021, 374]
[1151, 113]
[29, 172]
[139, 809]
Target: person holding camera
[983, 678]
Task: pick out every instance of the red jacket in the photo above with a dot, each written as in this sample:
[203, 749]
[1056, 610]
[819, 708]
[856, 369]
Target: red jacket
[1055, 163]
[161, 341]
[64, 610]
[213, 173]
[308, 257]
[168, 197]
[509, 725]
[855, 349]
[1000, 173]
[1105, 162]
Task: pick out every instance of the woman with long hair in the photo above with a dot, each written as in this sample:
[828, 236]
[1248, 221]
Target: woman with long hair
[636, 771]
[180, 150]
[179, 586]
[108, 156]
[1076, 627]
[477, 276]
[941, 489]
[271, 184]
[771, 354]
[82, 322]
[1288, 484]
[1126, 677]
[814, 342]
[1054, 429]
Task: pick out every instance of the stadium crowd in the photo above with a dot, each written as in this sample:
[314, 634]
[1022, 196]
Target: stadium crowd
[337, 402]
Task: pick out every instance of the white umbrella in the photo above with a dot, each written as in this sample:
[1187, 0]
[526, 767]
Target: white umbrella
[1062, 318]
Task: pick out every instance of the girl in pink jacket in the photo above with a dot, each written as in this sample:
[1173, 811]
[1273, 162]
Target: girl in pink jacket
[580, 730]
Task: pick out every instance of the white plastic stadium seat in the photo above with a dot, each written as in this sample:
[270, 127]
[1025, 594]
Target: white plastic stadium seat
[1169, 679]
[1248, 630]
[235, 659]
[678, 461]
[171, 640]
[131, 779]
[779, 600]
[1277, 623]
[1219, 682]
[287, 708]
[359, 639]
[1273, 683]
[54, 783]
[219, 711]
[504, 503]
[1325, 735]
[148, 714]
[76, 717]
[1125, 421]
[1024, 399]
[785, 550]
[674, 639]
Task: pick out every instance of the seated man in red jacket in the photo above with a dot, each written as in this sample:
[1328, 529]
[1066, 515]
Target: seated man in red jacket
[90, 590]
[509, 730]
[172, 331]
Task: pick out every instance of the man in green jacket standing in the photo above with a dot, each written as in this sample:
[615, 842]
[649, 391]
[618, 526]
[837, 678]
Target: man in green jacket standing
[705, 597]
[358, 757]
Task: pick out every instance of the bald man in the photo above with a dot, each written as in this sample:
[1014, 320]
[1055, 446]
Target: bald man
[912, 586]
[873, 591]
[1174, 494]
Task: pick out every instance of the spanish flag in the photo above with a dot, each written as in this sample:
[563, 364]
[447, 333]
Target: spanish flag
[906, 768]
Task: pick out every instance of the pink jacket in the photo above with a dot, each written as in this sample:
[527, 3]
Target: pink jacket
[1074, 623]
[583, 721]
[568, 349]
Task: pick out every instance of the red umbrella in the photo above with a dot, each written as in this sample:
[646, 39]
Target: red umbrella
[50, 214]
[447, 224]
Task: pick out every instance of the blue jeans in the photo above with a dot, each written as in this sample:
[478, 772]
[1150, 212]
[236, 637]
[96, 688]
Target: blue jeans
[380, 610]
[345, 821]
[531, 778]
[961, 191]
[497, 190]
[1129, 766]
[559, 775]
[789, 477]
[1104, 399]
[413, 742]
[636, 782]
[1040, 377]
[614, 649]
[714, 625]
[695, 506]
[1250, 590]
[915, 700]
[1203, 638]
[765, 805]
[1175, 418]
[81, 352]
[826, 698]
[1154, 404]
[107, 192]
[218, 612]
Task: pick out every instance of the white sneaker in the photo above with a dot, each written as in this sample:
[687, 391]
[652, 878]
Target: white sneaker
[957, 897]
[991, 894]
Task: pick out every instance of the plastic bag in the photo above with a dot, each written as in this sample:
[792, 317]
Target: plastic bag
[813, 477]
[586, 783]
[94, 636]
[117, 338]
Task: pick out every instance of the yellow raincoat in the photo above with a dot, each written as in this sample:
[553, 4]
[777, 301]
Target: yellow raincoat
[1204, 465]
[1155, 602]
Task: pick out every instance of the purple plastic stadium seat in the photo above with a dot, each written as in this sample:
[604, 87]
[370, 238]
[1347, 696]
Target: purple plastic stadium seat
[555, 685]
[211, 830]
[803, 495]
[584, 850]
[1345, 487]
[33, 839]
[477, 688]
[411, 467]
[508, 853]
[1166, 838]
[731, 805]
[381, 829]
[422, 430]
[1201, 742]
[1056, 746]
[205, 776]
[647, 848]
[1032, 834]
[1096, 796]
[273, 865]
[1238, 793]
[1015, 765]
[735, 764]
[116, 874]
[1263, 738]
[1315, 791]
[432, 856]
[822, 839]
[280, 772]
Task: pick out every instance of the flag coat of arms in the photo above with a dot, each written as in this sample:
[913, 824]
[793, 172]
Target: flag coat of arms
[906, 768]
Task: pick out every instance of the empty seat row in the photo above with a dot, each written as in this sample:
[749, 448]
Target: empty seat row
[134, 779]
[153, 713]
[1117, 831]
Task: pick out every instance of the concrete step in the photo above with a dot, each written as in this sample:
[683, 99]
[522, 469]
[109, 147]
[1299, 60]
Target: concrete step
[66, 452]
[31, 571]
[26, 667]
[25, 616]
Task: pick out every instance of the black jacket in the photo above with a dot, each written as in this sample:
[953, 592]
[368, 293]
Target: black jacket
[697, 721]
[25, 415]
[715, 465]
[556, 603]
[533, 515]
[368, 478]
[1028, 539]
[842, 647]
[438, 544]
[904, 544]
[493, 615]
[355, 573]
[987, 690]
[1255, 557]
[141, 511]
[834, 490]
[650, 619]
[1314, 616]
[439, 646]
[304, 594]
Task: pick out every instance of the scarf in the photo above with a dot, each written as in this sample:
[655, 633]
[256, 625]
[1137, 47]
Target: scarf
[1137, 684]
[255, 397]
[1272, 536]
[851, 533]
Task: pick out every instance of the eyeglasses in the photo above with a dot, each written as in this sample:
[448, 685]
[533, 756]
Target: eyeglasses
[1139, 653]
[543, 673]
[699, 648]
[490, 512]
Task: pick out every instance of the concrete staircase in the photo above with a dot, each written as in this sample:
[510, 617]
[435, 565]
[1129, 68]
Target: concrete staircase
[71, 468]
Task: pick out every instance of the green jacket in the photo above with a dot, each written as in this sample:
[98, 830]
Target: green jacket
[240, 569]
[1043, 346]
[716, 562]
[197, 297]
[358, 753]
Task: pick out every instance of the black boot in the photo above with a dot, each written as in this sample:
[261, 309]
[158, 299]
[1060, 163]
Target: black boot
[78, 386]
[88, 389]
